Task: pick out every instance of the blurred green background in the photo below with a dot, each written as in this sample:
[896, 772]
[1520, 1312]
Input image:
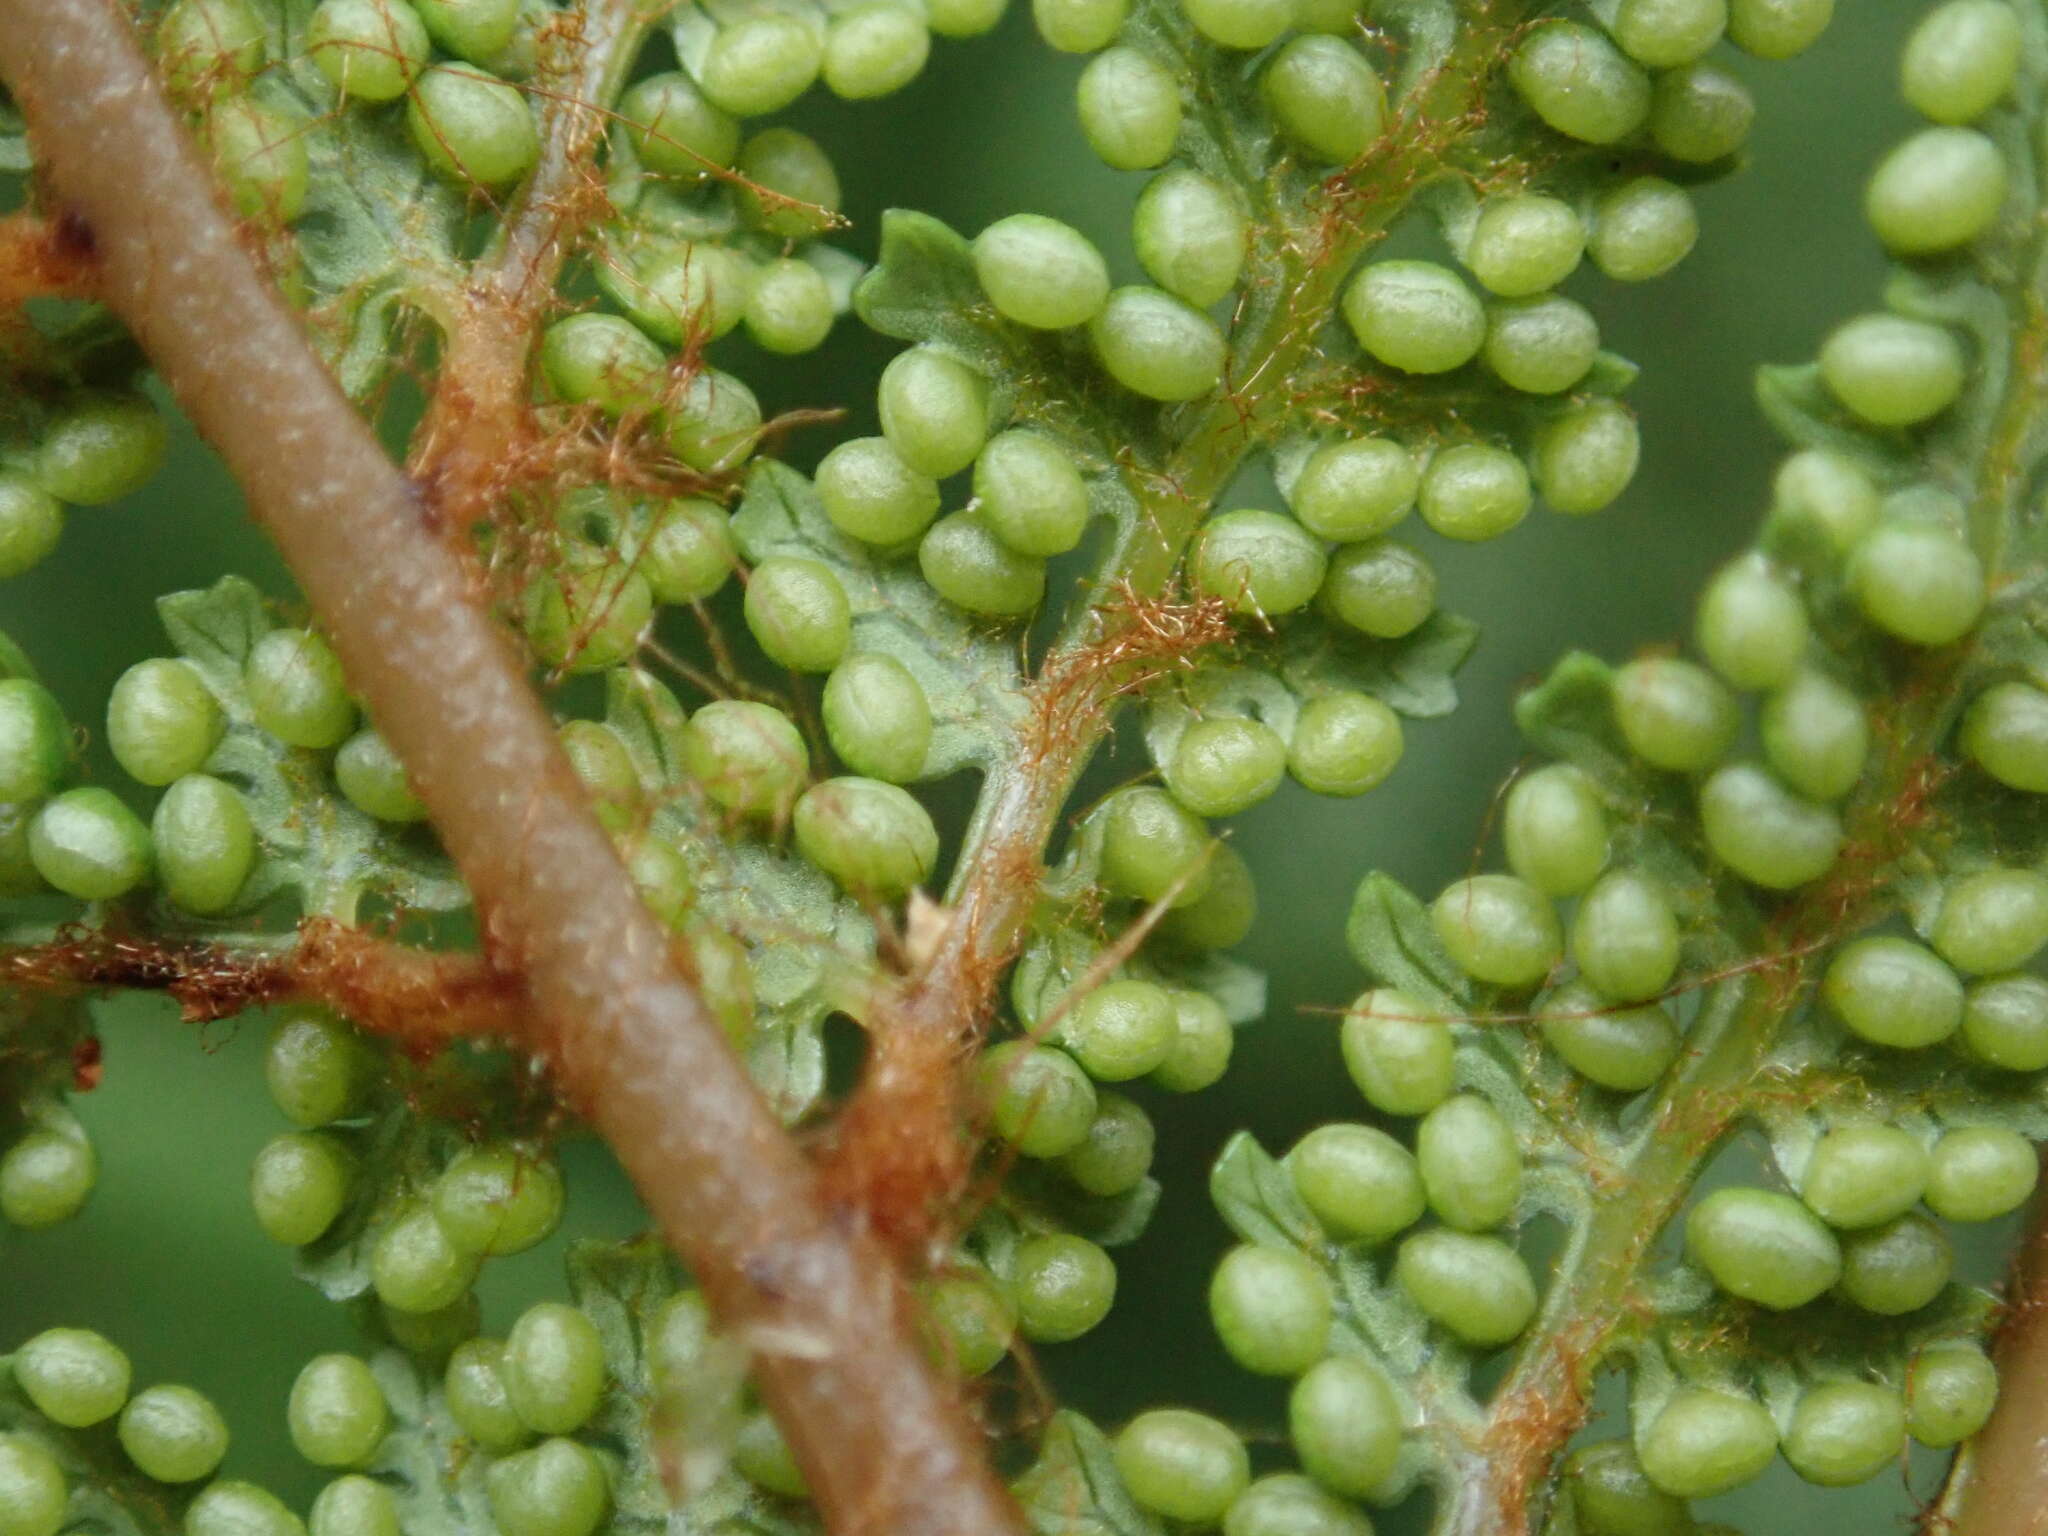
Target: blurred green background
[167, 1258]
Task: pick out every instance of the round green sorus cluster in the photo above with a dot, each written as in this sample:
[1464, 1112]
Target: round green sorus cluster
[1477, 1288]
[162, 721]
[558, 1488]
[1763, 1246]
[1994, 920]
[31, 522]
[1585, 456]
[231, 1507]
[1325, 97]
[1624, 1049]
[798, 614]
[2005, 1022]
[1117, 1153]
[748, 758]
[498, 1199]
[74, 1377]
[1896, 1268]
[1939, 190]
[1845, 1432]
[1345, 1424]
[1152, 849]
[47, 1175]
[208, 45]
[588, 613]
[790, 308]
[677, 293]
[1355, 488]
[1642, 229]
[1961, 60]
[1498, 930]
[761, 64]
[1183, 1465]
[1415, 316]
[1079, 26]
[1130, 109]
[369, 773]
[1763, 831]
[298, 1184]
[1950, 1391]
[934, 410]
[2005, 733]
[1157, 345]
[873, 50]
[1576, 80]
[603, 360]
[1827, 495]
[1892, 371]
[967, 562]
[1360, 1183]
[1190, 235]
[715, 425]
[870, 494]
[33, 1493]
[1041, 273]
[260, 155]
[318, 1069]
[1202, 1043]
[1541, 346]
[471, 128]
[205, 844]
[297, 691]
[1893, 992]
[1223, 914]
[1700, 113]
[478, 1400]
[1474, 491]
[1344, 744]
[1288, 1504]
[1864, 1174]
[369, 50]
[1258, 562]
[1751, 626]
[1610, 1492]
[1554, 830]
[1918, 581]
[1120, 1030]
[1226, 764]
[35, 740]
[972, 1320]
[1778, 29]
[414, 1267]
[553, 1368]
[1039, 1098]
[686, 553]
[99, 447]
[1029, 493]
[1625, 938]
[1399, 1056]
[878, 718]
[173, 1433]
[87, 844]
[1981, 1172]
[873, 838]
[1815, 736]
[337, 1414]
[1470, 1163]
[1706, 1441]
[1063, 1287]
[1524, 244]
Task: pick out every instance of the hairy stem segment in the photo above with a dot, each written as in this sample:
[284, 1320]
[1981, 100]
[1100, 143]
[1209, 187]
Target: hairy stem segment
[478, 421]
[1995, 1487]
[885, 1442]
[1303, 257]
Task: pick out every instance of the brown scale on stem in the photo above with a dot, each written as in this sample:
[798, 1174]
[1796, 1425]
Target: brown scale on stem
[420, 999]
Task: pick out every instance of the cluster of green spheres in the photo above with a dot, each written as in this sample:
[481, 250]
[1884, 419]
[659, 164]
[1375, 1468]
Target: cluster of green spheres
[426, 1249]
[164, 723]
[76, 1380]
[94, 447]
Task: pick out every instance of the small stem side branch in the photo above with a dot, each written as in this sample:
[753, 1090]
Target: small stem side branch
[885, 1442]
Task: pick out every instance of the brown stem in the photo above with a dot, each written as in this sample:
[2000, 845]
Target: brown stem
[1995, 1488]
[885, 1443]
[421, 999]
